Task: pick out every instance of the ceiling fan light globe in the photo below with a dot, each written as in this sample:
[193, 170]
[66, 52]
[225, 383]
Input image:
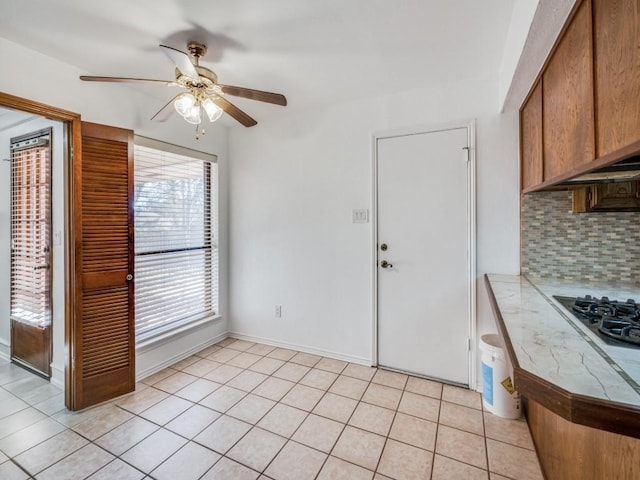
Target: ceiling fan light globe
[184, 104]
[213, 111]
[194, 115]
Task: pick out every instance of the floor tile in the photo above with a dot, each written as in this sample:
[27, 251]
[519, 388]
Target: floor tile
[281, 354]
[319, 432]
[424, 387]
[10, 405]
[23, 386]
[80, 464]
[201, 367]
[296, 462]
[359, 371]
[140, 401]
[223, 398]
[175, 382]
[462, 396]
[193, 421]
[331, 365]
[122, 438]
[223, 355]
[223, 373]
[185, 362]
[30, 436]
[266, 365]
[244, 360]
[420, 406]
[241, 345]
[337, 469]
[19, 420]
[335, 407]
[197, 390]
[10, 373]
[306, 359]
[251, 408]
[49, 452]
[390, 379]
[106, 420]
[51, 405]
[161, 375]
[247, 380]
[261, 349]
[514, 432]
[463, 446]
[117, 470]
[226, 341]
[446, 468]
[40, 394]
[291, 371]
[273, 388]
[303, 397]
[283, 420]
[382, 396]
[227, 469]
[257, 448]
[317, 378]
[359, 447]
[153, 450]
[462, 418]
[349, 387]
[10, 471]
[514, 462]
[222, 434]
[372, 418]
[166, 410]
[414, 431]
[188, 463]
[405, 462]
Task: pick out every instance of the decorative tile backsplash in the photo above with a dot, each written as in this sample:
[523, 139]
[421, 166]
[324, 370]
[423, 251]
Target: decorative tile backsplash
[558, 244]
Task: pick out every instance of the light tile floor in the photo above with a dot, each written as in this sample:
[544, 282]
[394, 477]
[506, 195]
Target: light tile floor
[244, 411]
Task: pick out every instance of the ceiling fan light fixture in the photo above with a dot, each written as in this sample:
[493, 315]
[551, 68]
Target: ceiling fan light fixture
[185, 103]
[212, 110]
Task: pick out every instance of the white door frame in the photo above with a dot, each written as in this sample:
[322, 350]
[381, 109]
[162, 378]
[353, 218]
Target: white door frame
[470, 125]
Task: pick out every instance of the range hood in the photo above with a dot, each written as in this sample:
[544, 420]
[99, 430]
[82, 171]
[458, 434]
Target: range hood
[624, 171]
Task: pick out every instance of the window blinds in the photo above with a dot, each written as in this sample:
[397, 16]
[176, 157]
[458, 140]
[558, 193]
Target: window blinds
[30, 229]
[176, 255]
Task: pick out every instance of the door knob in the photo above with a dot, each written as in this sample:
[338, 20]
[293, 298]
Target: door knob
[385, 264]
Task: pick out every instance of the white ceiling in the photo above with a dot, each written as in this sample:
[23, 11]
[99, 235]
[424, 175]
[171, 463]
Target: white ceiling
[314, 52]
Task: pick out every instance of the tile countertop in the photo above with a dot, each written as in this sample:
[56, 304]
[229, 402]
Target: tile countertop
[549, 342]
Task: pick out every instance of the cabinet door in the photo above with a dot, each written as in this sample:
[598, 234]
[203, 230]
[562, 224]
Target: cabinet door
[531, 139]
[568, 115]
[617, 73]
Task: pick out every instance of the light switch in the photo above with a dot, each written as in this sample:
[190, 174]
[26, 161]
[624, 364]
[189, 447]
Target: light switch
[360, 215]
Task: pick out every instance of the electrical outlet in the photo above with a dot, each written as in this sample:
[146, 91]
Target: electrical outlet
[278, 311]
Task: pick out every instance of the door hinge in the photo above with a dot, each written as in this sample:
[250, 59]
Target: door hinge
[468, 344]
[467, 149]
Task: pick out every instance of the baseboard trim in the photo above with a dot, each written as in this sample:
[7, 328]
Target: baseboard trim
[5, 350]
[303, 348]
[140, 375]
[57, 376]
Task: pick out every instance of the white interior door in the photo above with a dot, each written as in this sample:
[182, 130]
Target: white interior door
[424, 223]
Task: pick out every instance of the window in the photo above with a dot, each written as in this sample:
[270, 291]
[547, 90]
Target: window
[176, 237]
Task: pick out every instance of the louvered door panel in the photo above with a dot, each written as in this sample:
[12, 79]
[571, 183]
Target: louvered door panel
[104, 341]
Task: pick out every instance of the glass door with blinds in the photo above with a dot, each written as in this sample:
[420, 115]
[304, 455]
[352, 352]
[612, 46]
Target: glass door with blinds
[176, 259]
[30, 308]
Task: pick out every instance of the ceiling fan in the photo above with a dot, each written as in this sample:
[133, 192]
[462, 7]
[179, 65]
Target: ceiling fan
[202, 95]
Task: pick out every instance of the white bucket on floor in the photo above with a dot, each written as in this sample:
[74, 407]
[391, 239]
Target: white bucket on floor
[498, 394]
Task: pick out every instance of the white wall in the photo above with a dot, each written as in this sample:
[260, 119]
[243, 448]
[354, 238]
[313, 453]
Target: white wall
[293, 185]
[60, 87]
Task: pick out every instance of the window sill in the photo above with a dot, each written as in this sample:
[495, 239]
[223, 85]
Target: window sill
[153, 340]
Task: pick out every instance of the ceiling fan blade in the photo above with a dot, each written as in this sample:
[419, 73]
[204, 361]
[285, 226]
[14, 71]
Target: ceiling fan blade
[259, 95]
[89, 78]
[165, 112]
[182, 61]
[235, 112]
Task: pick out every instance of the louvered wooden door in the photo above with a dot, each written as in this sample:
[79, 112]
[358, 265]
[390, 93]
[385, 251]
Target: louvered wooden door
[103, 343]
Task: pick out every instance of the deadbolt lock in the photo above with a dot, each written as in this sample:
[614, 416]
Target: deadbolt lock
[384, 247]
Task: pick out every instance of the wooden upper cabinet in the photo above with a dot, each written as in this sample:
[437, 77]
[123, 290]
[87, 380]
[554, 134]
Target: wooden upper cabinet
[531, 139]
[568, 113]
[617, 73]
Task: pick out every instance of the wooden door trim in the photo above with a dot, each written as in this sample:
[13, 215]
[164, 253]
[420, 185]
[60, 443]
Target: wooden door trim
[73, 152]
